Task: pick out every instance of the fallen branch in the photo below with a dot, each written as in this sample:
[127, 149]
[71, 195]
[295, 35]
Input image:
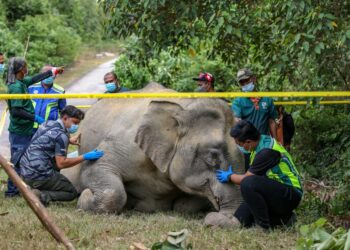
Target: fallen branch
[35, 205]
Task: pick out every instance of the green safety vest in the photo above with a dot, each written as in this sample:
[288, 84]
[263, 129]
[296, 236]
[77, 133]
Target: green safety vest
[285, 171]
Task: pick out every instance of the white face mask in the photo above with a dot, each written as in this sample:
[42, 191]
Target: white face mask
[248, 87]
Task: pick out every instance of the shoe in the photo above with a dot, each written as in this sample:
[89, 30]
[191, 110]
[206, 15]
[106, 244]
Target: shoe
[40, 196]
[12, 195]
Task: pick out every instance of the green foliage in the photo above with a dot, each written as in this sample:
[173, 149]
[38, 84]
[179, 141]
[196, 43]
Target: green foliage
[172, 71]
[55, 29]
[84, 16]
[322, 150]
[292, 45]
[19, 9]
[50, 41]
[315, 236]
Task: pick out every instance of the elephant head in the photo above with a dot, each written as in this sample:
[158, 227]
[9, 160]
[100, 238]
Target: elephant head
[189, 144]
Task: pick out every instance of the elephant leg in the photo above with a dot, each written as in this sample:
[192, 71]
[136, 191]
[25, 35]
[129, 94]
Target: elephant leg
[192, 204]
[103, 195]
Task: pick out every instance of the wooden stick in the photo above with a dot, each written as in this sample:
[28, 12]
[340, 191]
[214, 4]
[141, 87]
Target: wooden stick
[35, 204]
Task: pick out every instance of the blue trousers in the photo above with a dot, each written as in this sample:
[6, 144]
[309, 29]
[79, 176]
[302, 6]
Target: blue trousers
[18, 144]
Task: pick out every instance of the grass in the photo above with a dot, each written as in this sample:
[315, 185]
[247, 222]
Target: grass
[20, 229]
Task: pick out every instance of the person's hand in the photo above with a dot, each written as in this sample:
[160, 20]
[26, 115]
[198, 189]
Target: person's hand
[57, 70]
[75, 140]
[93, 155]
[39, 119]
[224, 176]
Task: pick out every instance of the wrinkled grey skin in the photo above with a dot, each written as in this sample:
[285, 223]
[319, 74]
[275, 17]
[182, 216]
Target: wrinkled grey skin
[159, 155]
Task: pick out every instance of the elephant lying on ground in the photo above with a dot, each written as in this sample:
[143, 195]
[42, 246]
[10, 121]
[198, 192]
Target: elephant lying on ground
[159, 155]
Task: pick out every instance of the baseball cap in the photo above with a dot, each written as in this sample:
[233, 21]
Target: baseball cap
[244, 73]
[207, 77]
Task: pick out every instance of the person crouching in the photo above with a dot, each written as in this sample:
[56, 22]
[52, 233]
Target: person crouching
[47, 155]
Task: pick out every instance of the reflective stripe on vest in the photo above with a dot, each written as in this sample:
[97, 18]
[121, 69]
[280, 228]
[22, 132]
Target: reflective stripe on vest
[49, 106]
[285, 172]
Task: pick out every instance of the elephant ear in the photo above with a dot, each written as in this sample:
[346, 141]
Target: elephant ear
[159, 132]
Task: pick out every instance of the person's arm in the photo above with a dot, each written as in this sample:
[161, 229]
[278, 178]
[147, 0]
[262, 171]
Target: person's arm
[21, 113]
[236, 108]
[273, 128]
[41, 76]
[225, 176]
[238, 178]
[64, 162]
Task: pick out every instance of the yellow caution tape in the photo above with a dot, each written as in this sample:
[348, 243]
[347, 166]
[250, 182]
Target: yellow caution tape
[311, 102]
[181, 95]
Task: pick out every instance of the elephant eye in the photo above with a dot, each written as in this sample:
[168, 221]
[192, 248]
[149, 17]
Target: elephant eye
[213, 158]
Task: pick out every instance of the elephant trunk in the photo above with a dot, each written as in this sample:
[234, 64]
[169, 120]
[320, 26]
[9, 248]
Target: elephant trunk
[228, 196]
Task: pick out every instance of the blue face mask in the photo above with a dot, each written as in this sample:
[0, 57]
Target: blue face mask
[201, 89]
[243, 150]
[249, 87]
[73, 129]
[2, 68]
[48, 81]
[111, 87]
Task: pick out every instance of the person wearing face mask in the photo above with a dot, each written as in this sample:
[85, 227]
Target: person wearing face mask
[261, 112]
[22, 116]
[205, 82]
[271, 188]
[112, 83]
[47, 108]
[47, 155]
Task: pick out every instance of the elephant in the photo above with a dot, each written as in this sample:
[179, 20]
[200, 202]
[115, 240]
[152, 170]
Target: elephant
[159, 154]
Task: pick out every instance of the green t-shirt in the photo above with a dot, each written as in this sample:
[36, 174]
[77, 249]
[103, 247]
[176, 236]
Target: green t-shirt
[244, 108]
[18, 125]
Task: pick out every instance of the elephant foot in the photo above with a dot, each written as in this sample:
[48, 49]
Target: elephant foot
[102, 201]
[216, 219]
[85, 200]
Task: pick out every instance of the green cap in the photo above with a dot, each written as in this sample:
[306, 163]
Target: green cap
[244, 73]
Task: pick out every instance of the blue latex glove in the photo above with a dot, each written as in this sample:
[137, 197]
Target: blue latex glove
[39, 119]
[224, 176]
[93, 155]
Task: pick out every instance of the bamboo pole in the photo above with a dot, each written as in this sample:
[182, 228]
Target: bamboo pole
[34, 203]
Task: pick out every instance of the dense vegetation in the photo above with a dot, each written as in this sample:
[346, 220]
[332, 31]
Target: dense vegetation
[301, 46]
[48, 32]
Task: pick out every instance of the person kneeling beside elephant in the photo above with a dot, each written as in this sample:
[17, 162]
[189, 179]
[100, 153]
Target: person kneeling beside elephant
[271, 188]
[47, 154]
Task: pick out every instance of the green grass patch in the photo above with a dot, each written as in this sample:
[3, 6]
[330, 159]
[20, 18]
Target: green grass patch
[20, 229]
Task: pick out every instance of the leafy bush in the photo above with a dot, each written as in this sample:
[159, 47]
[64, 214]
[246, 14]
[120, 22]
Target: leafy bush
[316, 236]
[172, 71]
[322, 149]
[50, 41]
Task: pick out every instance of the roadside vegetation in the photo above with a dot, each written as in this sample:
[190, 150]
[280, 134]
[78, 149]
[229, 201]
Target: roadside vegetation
[292, 46]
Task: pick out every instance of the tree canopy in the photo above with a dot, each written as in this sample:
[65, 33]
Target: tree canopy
[292, 44]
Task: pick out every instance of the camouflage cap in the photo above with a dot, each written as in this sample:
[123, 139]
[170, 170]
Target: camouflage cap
[244, 73]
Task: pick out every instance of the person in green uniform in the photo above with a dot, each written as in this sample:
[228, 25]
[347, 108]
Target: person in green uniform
[261, 112]
[22, 115]
[271, 188]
